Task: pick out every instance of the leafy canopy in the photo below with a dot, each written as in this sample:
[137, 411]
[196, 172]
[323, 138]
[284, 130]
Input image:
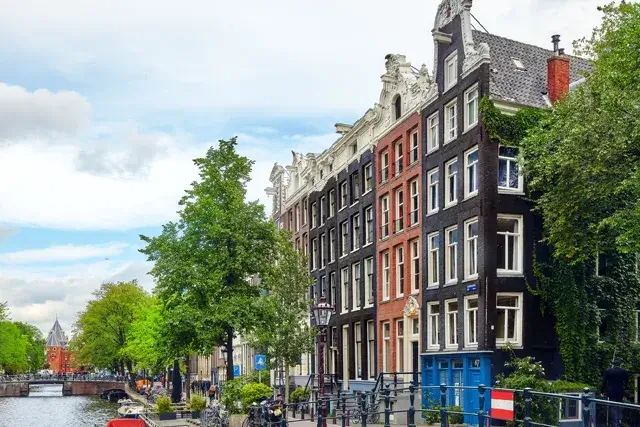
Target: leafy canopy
[13, 348]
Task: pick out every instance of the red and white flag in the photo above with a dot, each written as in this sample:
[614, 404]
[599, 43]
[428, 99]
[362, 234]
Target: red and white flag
[502, 407]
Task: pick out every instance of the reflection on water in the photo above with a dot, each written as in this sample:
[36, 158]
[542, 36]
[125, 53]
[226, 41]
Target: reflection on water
[46, 407]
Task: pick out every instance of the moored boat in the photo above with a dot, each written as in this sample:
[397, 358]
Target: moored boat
[123, 422]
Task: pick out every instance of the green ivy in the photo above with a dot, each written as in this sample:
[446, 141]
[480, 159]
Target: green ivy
[508, 129]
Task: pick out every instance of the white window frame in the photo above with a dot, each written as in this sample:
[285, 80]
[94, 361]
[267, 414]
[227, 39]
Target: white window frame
[368, 178]
[384, 166]
[448, 325]
[305, 211]
[400, 272]
[355, 285]
[449, 80]
[344, 201]
[451, 183]
[323, 244]
[414, 145]
[355, 232]
[414, 248]
[471, 169]
[399, 222]
[471, 100]
[398, 152]
[520, 244]
[386, 347]
[433, 133]
[510, 162]
[369, 236]
[433, 200]
[517, 342]
[344, 238]
[314, 215]
[357, 338]
[344, 290]
[451, 129]
[332, 202]
[386, 275]
[400, 345]
[371, 348]
[433, 265]
[314, 254]
[433, 325]
[414, 202]
[332, 244]
[471, 249]
[369, 298]
[384, 207]
[470, 321]
[448, 280]
[323, 201]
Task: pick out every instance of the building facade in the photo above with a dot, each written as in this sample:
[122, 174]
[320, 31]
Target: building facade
[59, 358]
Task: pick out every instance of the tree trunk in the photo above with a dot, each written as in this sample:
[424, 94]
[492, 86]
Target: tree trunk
[229, 346]
[188, 381]
[286, 383]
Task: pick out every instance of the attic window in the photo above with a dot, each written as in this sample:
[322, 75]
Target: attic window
[398, 107]
[354, 148]
[519, 65]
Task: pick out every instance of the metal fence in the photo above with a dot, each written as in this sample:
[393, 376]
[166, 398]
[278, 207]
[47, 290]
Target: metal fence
[62, 377]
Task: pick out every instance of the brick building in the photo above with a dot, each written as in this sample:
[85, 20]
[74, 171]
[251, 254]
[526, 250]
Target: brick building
[59, 357]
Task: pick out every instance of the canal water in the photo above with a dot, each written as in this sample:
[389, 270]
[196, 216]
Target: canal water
[46, 407]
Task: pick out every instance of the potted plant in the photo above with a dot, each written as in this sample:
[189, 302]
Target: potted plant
[197, 404]
[165, 410]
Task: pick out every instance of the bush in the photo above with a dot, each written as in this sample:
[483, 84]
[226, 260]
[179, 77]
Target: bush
[434, 417]
[455, 418]
[300, 394]
[231, 395]
[252, 392]
[198, 403]
[163, 403]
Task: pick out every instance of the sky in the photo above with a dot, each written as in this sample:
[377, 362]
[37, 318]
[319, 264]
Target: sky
[103, 106]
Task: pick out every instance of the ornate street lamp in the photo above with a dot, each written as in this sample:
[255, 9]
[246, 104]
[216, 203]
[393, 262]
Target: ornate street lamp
[322, 312]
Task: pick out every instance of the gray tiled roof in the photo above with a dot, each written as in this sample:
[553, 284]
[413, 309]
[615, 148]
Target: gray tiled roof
[522, 87]
[57, 337]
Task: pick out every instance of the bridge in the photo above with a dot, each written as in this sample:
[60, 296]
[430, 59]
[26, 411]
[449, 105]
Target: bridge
[19, 385]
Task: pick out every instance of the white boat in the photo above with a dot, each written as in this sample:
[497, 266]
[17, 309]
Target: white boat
[130, 409]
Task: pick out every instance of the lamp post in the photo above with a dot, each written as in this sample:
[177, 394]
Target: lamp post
[322, 313]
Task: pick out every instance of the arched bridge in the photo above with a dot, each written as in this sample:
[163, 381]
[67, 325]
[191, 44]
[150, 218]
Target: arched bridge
[72, 385]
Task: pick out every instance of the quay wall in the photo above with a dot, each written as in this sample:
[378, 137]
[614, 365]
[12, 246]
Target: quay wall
[69, 388]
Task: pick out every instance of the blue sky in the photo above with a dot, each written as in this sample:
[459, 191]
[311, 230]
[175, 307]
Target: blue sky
[103, 107]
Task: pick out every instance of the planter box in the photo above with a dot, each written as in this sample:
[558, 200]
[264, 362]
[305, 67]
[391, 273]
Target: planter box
[167, 416]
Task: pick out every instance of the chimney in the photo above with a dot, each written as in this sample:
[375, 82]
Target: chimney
[558, 71]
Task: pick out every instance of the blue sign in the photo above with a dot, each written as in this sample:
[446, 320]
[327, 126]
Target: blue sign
[472, 287]
[261, 362]
[236, 370]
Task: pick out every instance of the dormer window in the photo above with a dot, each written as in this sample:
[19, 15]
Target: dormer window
[519, 65]
[398, 107]
[451, 71]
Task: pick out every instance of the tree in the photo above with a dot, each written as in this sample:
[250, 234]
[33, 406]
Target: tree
[143, 342]
[284, 335]
[4, 311]
[35, 345]
[204, 262]
[13, 349]
[584, 157]
[100, 333]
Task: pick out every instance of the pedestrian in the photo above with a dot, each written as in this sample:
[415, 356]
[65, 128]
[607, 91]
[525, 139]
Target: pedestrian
[614, 387]
[212, 394]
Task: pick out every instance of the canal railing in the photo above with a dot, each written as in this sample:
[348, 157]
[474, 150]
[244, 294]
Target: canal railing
[60, 378]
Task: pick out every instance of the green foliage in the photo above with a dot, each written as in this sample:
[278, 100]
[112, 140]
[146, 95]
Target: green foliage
[144, 345]
[300, 394]
[35, 346]
[433, 415]
[4, 311]
[231, 394]
[257, 377]
[508, 129]
[13, 349]
[197, 403]
[251, 392]
[203, 262]
[163, 404]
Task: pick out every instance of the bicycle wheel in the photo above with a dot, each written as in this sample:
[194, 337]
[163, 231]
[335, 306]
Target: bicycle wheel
[374, 418]
[246, 422]
[355, 416]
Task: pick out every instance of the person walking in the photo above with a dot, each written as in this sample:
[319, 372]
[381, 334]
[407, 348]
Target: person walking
[614, 387]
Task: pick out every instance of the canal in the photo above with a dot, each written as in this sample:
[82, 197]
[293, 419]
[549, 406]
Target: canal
[46, 407]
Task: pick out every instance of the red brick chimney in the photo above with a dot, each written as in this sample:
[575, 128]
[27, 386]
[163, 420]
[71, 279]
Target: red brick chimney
[558, 71]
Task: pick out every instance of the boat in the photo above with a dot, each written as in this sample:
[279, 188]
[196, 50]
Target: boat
[107, 393]
[123, 422]
[131, 411]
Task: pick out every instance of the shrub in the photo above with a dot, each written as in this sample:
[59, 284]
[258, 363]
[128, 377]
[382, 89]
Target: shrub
[163, 403]
[252, 392]
[198, 403]
[455, 418]
[300, 394]
[231, 395]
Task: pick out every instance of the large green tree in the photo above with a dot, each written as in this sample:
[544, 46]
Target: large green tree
[284, 334]
[204, 262]
[13, 349]
[35, 345]
[4, 311]
[100, 332]
[144, 338]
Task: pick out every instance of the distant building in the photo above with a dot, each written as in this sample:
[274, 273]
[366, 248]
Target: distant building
[58, 355]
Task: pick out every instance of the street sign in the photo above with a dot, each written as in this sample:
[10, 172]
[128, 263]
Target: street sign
[472, 287]
[261, 362]
[236, 370]
[502, 405]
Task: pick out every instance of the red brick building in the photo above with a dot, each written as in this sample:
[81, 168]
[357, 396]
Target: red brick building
[58, 355]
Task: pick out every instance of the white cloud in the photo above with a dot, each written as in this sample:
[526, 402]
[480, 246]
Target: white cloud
[63, 253]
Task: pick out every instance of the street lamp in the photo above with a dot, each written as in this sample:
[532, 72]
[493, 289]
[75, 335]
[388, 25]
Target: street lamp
[322, 312]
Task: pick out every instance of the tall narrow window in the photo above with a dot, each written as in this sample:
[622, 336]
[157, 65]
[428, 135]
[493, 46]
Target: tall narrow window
[323, 244]
[355, 236]
[323, 214]
[509, 244]
[343, 195]
[432, 195]
[399, 271]
[332, 286]
[368, 225]
[357, 331]
[314, 215]
[433, 331]
[344, 289]
[371, 348]
[509, 176]
[368, 282]
[344, 238]
[305, 211]
[384, 166]
[399, 158]
[415, 265]
[451, 323]
[332, 245]
[415, 143]
[450, 71]
[451, 255]
[355, 187]
[414, 188]
[386, 353]
[332, 203]
[399, 226]
[451, 122]
[384, 230]
[355, 276]
[398, 107]
[471, 108]
[433, 135]
[433, 264]
[509, 318]
[386, 262]
[471, 174]
[471, 321]
[297, 209]
[400, 346]
[323, 286]
[314, 254]
[471, 248]
[451, 183]
[368, 178]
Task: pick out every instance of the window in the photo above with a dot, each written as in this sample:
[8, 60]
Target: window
[386, 353]
[509, 318]
[305, 244]
[332, 245]
[305, 211]
[602, 325]
[415, 265]
[355, 237]
[314, 254]
[368, 225]
[368, 177]
[355, 276]
[509, 244]
[518, 63]
[357, 331]
[323, 218]
[354, 148]
[400, 346]
[397, 107]
[451, 255]
[332, 287]
[355, 187]
[384, 232]
[415, 143]
[332, 203]
[371, 349]
[451, 183]
[384, 166]
[432, 195]
[344, 294]
[471, 248]
[399, 271]
[399, 225]
[323, 285]
[433, 332]
[433, 264]
[433, 141]
[451, 323]
[471, 108]
[509, 176]
[471, 172]
[471, 321]
[451, 71]
[398, 163]
[344, 238]
[314, 215]
[323, 244]
[602, 264]
[385, 275]
[570, 409]
[368, 282]
[290, 221]
[297, 209]
[450, 124]
[343, 195]
[415, 202]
